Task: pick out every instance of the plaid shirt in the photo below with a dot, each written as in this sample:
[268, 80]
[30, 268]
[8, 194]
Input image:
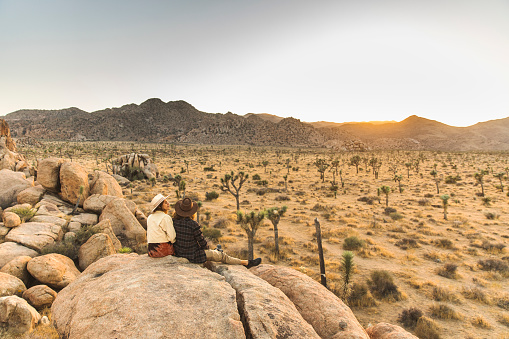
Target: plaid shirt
[190, 243]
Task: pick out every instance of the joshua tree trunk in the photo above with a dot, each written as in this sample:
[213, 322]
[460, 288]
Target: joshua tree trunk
[250, 248]
[276, 241]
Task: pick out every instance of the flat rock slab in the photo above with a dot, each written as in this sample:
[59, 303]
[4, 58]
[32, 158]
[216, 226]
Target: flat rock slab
[35, 235]
[10, 250]
[328, 315]
[86, 218]
[48, 208]
[132, 296]
[49, 219]
[265, 311]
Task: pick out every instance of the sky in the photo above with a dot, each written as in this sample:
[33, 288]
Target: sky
[320, 60]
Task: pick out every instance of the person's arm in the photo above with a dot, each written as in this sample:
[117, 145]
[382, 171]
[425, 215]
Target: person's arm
[198, 236]
[167, 226]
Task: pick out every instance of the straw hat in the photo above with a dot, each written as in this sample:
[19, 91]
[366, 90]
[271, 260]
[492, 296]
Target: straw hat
[158, 199]
[186, 207]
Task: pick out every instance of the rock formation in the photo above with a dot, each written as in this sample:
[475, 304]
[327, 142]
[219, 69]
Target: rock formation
[135, 166]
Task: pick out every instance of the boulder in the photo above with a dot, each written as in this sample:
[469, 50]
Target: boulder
[31, 195]
[98, 246]
[109, 300]
[10, 285]
[17, 267]
[11, 183]
[63, 206]
[388, 331]
[121, 180]
[35, 235]
[49, 219]
[3, 230]
[72, 176]
[54, 270]
[266, 312]
[142, 219]
[74, 226]
[124, 223]
[105, 227]
[328, 315]
[47, 208]
[11, 219]
[40, 296]
[48, 173]
[7, 157]
[11, 250]
[17, 316]
[96, 203]
[104, 184]
[85, 218]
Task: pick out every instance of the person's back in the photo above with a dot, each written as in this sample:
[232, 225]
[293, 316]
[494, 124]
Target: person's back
[189, 243]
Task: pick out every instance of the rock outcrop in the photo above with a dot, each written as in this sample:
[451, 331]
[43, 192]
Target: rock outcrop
[17, 267]
[72, 177]
[54, 270]
[12, 183]
[35, 235]
[10, 285]
[17, 316]
[104, 184]
[40, 296]
[328, 315]
[98, 246]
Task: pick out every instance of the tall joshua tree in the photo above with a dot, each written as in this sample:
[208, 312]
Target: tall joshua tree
[322, 166]
[408, 165]
[355, 161]
[232, 183]
[434, 173]
[445, 204]
[500, 176]
[398, 178]
[479, 176]
[274, 214]
[265, 163]
[250, 223]
[386, 190]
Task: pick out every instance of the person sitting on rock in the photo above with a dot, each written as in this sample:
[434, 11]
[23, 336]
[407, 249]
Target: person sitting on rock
[191, 244]
[160, 232]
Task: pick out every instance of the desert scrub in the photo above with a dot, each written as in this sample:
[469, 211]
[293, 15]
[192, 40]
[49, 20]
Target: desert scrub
[211, 195]
[426, 328]
[479, 321]
[353, 243]
[491, 215]
[475, 293]
[382, 286]
[125, 250]
[504, 319]
[444, 312]
[494, 265]
[409, 317]
[448, 271]
[439, 293]
[360, 296]
[211, 233]
[492, 247]
[70, 247]
[24, 213]
[222, 223]
[444, 243]
[407, 243]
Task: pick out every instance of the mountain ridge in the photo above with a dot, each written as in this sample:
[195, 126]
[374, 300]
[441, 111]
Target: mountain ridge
[178, 121]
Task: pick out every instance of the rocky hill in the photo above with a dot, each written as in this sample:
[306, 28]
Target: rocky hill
[178, 121]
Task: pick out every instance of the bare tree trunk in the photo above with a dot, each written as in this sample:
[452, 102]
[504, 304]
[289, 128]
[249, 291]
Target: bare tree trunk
[250, 248]
[323, 279]
[276, 241]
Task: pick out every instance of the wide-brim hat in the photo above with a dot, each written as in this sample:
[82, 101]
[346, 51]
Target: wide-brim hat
[186, 207]
[158, 199]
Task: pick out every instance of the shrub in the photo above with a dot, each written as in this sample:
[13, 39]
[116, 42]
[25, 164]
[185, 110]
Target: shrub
[496, 265]
[424, 202]
[369, 199]
[24, 213]
[441, 294]
[503, 301]
[66, 247]
[382, 286]
[389, 210]
[426, 328]
[395, 216]
[125, 250]
[262, 182]
[360, 296]
[444, 243]
[448, 271]
[211, 233]
[409, 317]
[209, 169]
[450, 179]
[407, 243]
[282, 198]
[491, 215]
[256, 177]
[211, 195]
[493, 248]
[479, 321]
[222, 223]
[353, 243]
[84, 234]
[475, 293]
[443, 311]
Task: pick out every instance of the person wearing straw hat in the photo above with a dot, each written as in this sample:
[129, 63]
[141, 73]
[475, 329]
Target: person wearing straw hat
[160, 232]
[191, 244]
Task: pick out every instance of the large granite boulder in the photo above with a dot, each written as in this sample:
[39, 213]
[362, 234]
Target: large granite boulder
[31, 195]
[40, 296]
[105, 227]
[11, 183]
[388, 331]
[72, 176]
[266, 312]
[10, 285]
[98, 246]
[328, 315]
[54, 270]
[11, 219]
[131, 296]
[17, 267]
[35, 235]
[10, 250]
[48, 173]
[124, 223]
[17, 316]
[104, 184]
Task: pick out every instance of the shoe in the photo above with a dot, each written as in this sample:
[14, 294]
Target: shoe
[253, 263]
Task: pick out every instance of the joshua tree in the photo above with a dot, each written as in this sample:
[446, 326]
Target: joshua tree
[341, 178]
[347, 266]
[437, 180]
[398, 178]
[200, 204]
[187, 165]
[355, 161]
[479, 176]
[334, 188]
[500, 176]
[265, 163]
[250, 223]
[288, 165]
[286, 182]
[445, 204]
[375, 164]
[416, 165]
[386, 190]
[408, 165]
[230, 184]
[322, 167]
[334, 169]
[274, 214]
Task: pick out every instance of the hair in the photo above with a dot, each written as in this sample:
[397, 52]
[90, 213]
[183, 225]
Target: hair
[159, 207]
[178, 217]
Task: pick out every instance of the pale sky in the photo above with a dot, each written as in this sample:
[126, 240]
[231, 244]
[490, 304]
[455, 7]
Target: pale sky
[339, 61]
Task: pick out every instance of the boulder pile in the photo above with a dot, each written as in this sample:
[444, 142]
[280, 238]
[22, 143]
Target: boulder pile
[9, 158]
[135, 166]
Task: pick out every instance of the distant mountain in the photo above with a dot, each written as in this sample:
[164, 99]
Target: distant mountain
[178, 121]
